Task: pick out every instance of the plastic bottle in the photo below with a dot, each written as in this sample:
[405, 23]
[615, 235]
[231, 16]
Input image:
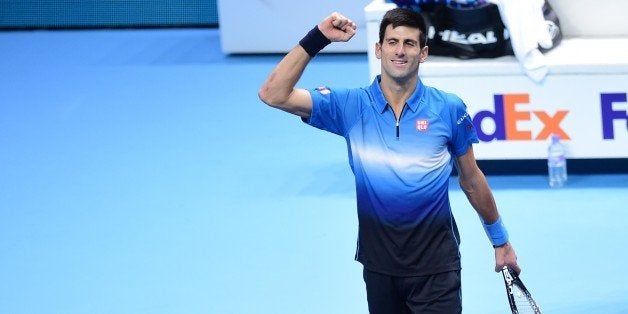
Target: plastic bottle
[556, 163]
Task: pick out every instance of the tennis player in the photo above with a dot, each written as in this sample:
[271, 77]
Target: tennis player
[404, 139]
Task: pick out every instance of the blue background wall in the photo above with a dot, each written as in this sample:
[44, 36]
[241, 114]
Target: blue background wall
[27, 14]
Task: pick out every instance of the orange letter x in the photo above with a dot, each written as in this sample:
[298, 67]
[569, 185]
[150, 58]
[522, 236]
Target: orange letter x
[552, 124]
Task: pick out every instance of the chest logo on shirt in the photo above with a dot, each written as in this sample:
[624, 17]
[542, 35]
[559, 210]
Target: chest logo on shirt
[422, 125]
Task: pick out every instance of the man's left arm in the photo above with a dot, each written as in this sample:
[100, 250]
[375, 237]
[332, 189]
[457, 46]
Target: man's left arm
[474, 184]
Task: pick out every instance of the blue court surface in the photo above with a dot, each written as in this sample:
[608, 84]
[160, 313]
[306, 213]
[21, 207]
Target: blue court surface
[139, 173]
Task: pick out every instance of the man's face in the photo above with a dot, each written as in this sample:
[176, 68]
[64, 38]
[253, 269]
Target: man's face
[400, 53]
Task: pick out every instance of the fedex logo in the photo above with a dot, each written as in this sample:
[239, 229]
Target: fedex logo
[509, 111]
[609, 115]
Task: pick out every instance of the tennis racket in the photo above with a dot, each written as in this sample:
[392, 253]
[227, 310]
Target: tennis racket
[519, 297]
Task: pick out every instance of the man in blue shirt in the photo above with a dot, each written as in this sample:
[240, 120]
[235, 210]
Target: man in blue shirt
[403, 139]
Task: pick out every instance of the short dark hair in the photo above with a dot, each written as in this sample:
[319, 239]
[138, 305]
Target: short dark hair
[403, 17]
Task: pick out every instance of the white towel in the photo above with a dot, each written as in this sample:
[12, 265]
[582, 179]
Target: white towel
[528, 30]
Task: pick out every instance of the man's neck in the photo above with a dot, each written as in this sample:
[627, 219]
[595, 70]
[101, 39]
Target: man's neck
[397, 93]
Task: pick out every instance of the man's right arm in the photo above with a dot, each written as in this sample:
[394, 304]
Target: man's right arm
[279, 88]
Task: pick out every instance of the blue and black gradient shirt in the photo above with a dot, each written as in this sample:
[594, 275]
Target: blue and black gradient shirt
[401, 169]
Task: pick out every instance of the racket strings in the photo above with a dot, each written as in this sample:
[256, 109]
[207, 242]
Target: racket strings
[523, 302]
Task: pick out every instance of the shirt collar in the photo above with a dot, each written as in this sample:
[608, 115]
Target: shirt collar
[380, 101]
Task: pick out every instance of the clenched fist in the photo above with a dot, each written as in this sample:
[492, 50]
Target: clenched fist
[337, 27]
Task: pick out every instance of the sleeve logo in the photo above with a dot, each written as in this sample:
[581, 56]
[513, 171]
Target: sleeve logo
[323, 90]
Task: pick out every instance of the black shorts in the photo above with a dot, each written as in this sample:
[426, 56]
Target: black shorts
[439, 293]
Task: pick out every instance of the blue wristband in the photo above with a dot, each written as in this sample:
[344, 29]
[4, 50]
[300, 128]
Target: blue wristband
[496, 232]
[314, 41]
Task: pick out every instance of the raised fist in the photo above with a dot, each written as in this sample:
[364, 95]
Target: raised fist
[337, 27]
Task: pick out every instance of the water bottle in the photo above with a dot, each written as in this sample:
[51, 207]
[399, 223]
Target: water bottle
[556, 163]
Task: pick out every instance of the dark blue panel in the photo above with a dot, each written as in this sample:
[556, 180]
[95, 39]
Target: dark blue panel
[25, 14]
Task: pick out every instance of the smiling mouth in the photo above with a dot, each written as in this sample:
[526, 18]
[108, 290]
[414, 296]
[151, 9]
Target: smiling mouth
[399, 61]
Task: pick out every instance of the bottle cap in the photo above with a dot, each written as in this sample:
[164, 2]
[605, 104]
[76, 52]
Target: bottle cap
[555, 138]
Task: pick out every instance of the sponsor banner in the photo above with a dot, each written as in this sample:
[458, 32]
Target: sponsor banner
[515, 117]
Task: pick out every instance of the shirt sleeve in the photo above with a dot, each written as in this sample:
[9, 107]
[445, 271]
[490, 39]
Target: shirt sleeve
[463, 130]
[334, 110]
